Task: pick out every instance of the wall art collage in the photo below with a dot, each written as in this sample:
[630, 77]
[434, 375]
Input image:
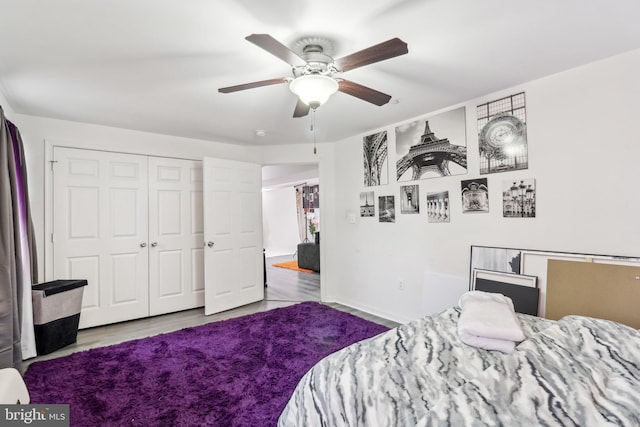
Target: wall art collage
[436, 147]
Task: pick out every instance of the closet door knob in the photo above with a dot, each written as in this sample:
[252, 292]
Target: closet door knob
[154, 244]
[143, 245]
[210, 244]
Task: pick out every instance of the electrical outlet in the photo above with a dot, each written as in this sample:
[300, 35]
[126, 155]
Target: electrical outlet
[401, 284]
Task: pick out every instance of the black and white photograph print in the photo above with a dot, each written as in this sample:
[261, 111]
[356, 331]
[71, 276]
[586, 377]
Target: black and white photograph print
[311, 197]
[438, 207]
[367, 204]
[376, 168]
[502, 134]
[432, 147]
[496, 259]
[409, 199]
[387, 208]
[475, 195]
[519, 198]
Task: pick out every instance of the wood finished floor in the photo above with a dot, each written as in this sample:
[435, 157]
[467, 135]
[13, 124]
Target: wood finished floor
[284, 287]
[290, 285]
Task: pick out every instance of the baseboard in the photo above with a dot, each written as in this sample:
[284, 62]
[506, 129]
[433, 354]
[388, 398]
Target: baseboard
[370, 310]
[273, 254]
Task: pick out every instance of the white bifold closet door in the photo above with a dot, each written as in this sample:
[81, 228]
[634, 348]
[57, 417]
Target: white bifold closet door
[176, 235]
[151, 236]
[132, 226]
[233, 234]
[100, 231]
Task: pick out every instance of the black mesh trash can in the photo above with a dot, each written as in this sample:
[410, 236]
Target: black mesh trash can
[56, 313]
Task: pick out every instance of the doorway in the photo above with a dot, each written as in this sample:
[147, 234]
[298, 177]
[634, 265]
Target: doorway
[291, 211]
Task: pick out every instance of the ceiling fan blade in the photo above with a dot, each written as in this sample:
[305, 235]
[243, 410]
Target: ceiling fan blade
[363, 92]
[252, 85]
[380, 52]
[301, 110]
[274, 47]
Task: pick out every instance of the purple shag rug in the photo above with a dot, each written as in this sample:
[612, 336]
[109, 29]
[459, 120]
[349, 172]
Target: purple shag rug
[237, 372]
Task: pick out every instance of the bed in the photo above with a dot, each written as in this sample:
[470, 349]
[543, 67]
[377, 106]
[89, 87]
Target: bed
[578, 371]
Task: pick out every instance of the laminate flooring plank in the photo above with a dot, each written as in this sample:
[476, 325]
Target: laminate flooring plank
[289, 285]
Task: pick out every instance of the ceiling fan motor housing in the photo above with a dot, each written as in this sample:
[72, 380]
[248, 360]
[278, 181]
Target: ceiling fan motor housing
[318, 62]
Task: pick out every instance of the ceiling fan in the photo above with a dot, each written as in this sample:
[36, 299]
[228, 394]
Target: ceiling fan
[316, 73]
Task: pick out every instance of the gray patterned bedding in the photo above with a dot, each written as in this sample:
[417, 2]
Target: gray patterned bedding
[577, 371]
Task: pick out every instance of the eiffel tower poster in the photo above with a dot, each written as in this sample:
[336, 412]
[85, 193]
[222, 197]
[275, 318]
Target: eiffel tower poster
[432, 147]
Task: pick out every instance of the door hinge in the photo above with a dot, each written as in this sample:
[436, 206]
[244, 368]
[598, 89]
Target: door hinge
[51, 237]
[51, 162]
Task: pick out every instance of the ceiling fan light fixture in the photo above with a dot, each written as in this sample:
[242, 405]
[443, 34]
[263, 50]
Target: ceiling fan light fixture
[314, 89]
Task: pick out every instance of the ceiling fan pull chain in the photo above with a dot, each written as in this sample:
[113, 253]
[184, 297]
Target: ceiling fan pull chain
[313, 128]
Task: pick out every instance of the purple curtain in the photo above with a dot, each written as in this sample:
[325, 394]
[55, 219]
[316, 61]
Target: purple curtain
[18, 264]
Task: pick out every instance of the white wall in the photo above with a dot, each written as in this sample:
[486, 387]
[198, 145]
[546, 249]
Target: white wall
[279, 221]
[583, 152]
[8, 111]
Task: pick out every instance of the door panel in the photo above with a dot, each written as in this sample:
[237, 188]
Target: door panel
[99, 223]
[175, 227]
[233, 233]
[124, 283]
[88, 268]
[197, 270]
[123, 205]
[83, 200]
[169, 210]
[171, 272]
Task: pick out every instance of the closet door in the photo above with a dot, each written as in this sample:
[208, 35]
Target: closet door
[100, 231]
[233, 234]
[176, 258]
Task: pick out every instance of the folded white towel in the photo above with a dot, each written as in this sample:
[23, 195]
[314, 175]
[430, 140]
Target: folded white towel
[504, 346]
[489, 321]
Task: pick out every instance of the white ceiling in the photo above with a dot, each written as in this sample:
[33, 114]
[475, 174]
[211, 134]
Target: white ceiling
[155, 65]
